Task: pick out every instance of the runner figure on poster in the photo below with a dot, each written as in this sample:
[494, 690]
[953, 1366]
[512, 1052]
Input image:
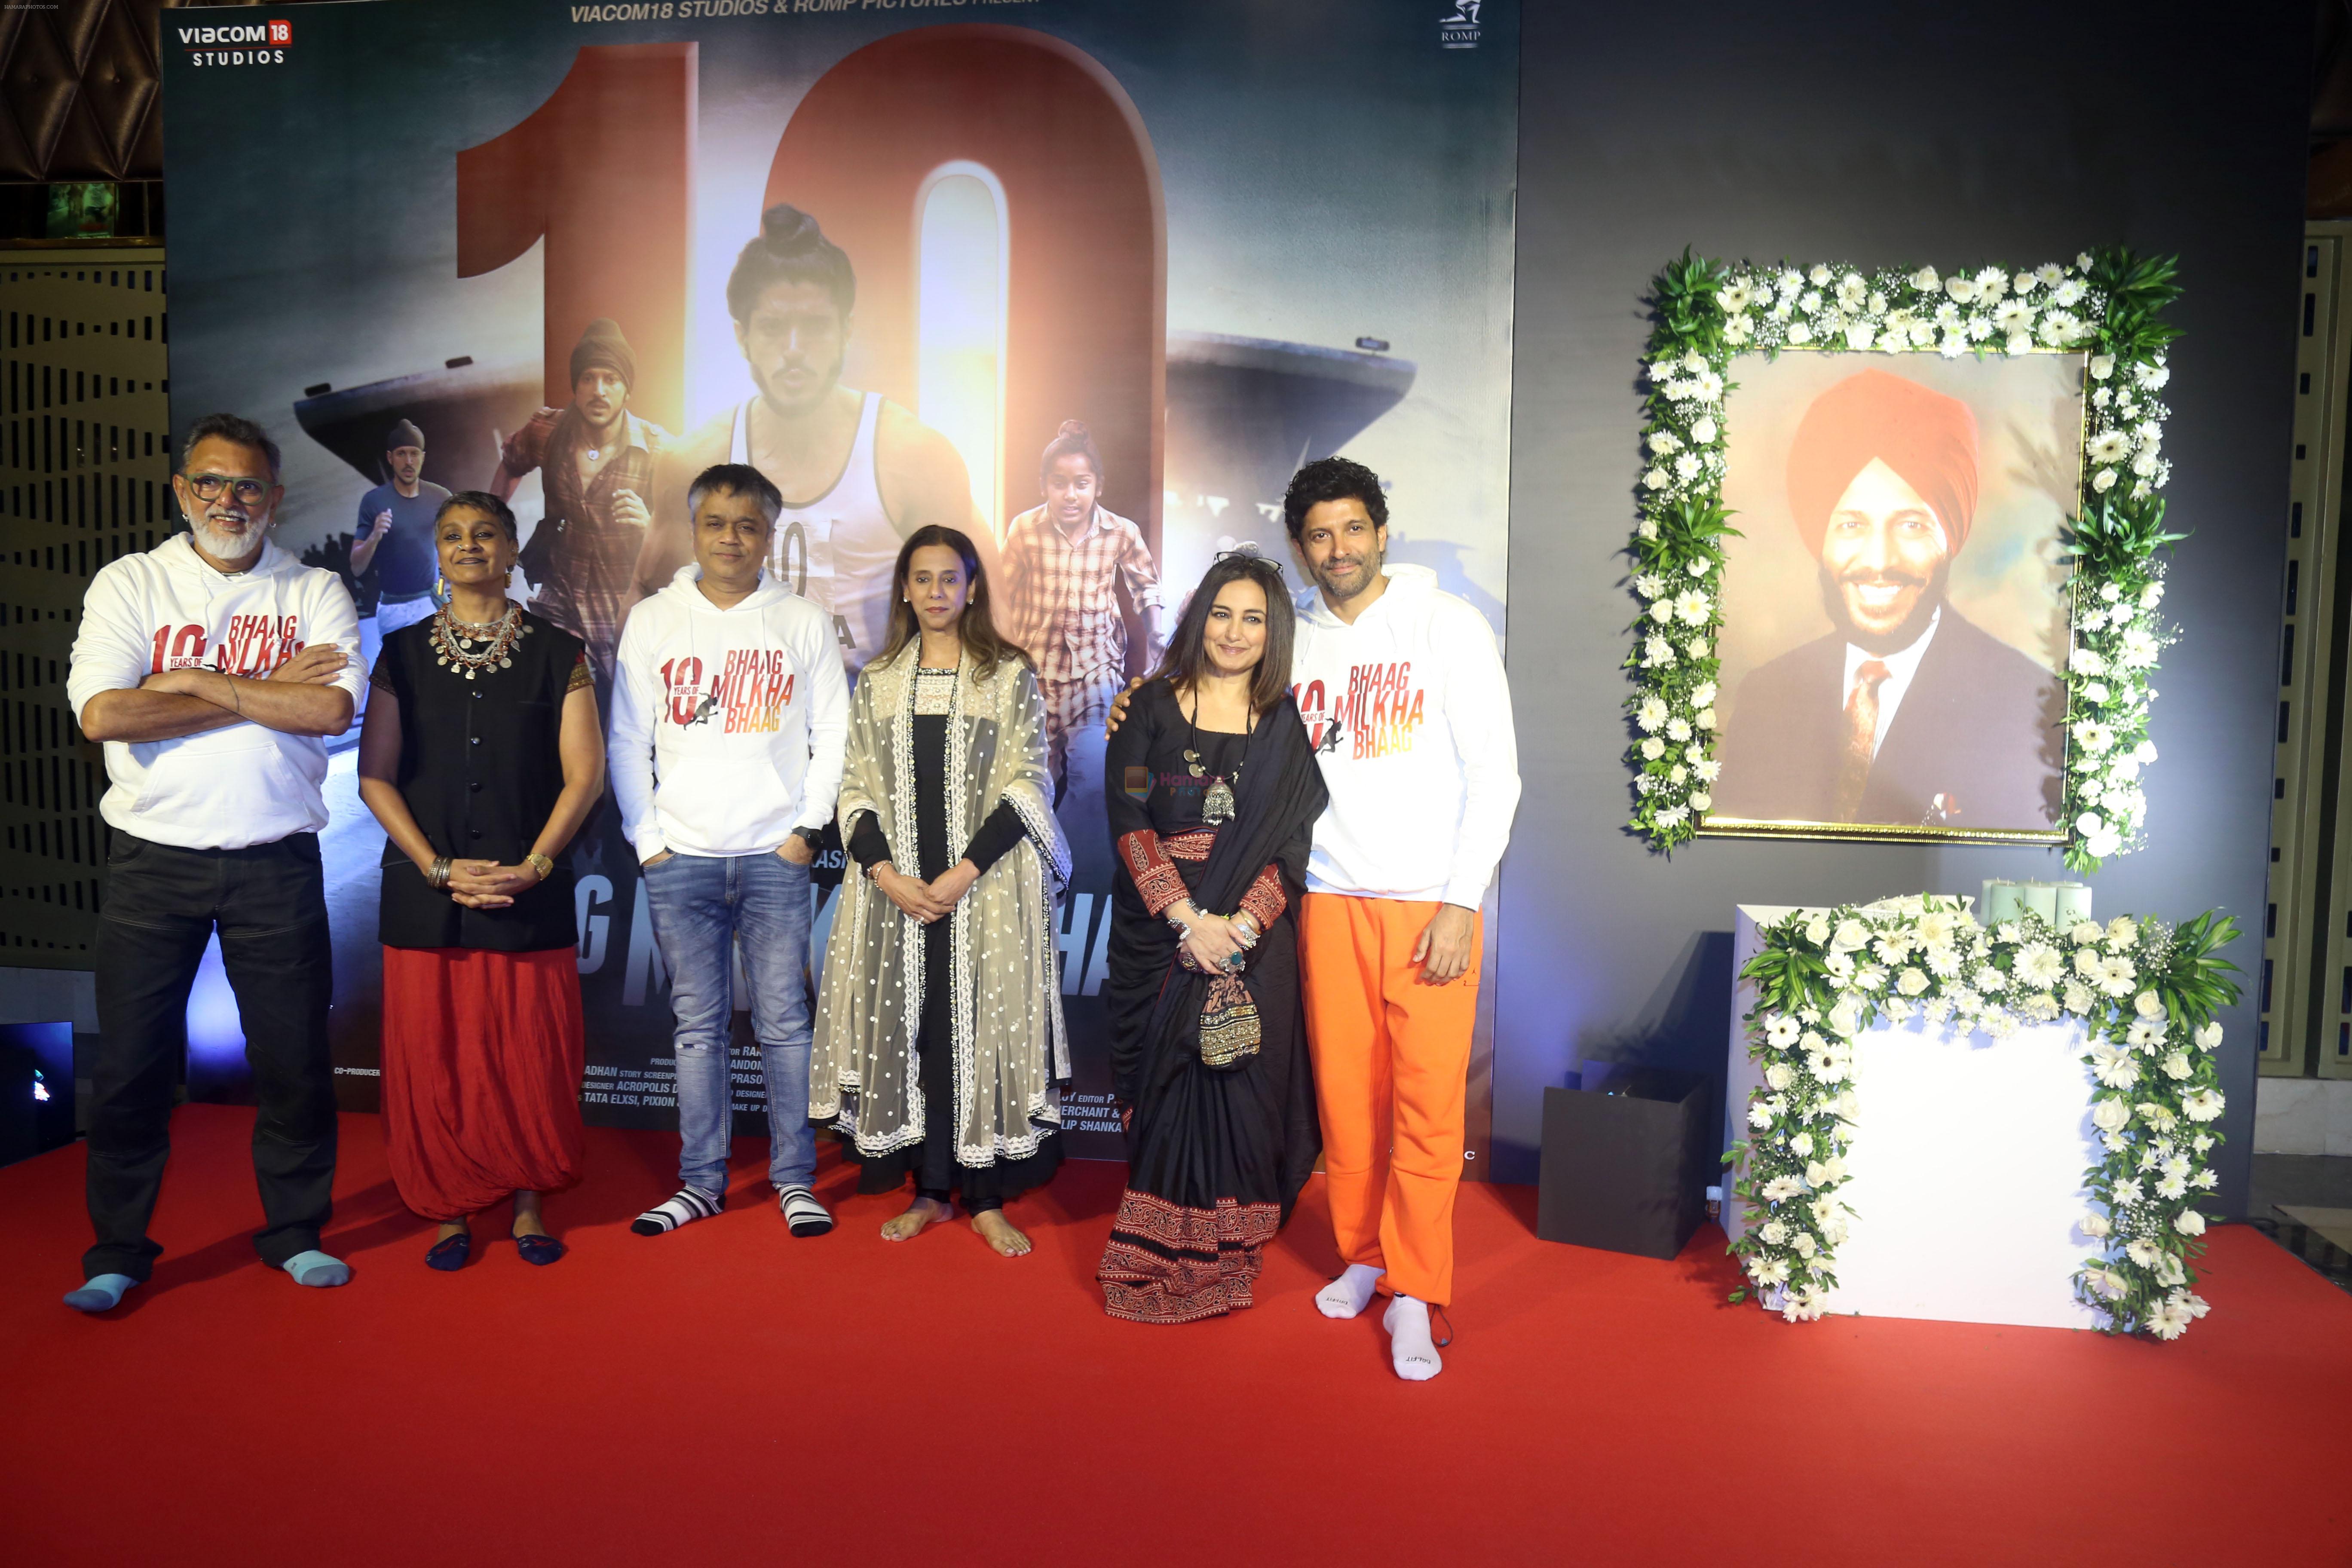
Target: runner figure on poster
[596, 462]
[871, 471]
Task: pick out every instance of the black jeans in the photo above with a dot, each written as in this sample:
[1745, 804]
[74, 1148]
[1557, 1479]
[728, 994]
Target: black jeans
[162, 904]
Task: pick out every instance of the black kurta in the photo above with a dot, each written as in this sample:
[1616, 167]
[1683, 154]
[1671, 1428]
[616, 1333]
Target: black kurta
[933, 1161]
[481, 767]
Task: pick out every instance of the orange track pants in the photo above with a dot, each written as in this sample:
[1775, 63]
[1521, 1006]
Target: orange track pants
[1392, 1061]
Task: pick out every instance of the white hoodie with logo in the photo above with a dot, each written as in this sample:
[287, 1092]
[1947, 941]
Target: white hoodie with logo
[1410, 714]
[165, 609]
[728, 725]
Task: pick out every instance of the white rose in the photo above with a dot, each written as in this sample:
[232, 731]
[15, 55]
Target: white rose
[2102, 366]
[1961, 290]
[1773, 1233]
[1700, 801]
[1703, 429]
[1925, 278]
[2189, 1222]
[2110, 1116]
[1817, 929]
[1656, 478]
[1704, 719]
[2148, 1004]
[1652, 749]
[1849, 935]
[1911, 982]
[2208, 1036]
[2095, 1225]
[1799, 333]
[1779, 1074]
[2176, 1066]
[2103, 480]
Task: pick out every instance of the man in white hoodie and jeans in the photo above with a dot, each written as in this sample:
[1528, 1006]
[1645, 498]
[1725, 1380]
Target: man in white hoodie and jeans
[214, 668]
[1404, 699]
[730, 716]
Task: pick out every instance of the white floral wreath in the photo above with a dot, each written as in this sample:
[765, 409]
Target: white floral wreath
[2146, 993]
[1709, 311]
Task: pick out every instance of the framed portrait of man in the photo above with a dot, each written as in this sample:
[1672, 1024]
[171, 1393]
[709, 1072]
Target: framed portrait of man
[1896, 608]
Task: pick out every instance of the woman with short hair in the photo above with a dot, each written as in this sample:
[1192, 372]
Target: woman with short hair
[481, 757]
[945, 804]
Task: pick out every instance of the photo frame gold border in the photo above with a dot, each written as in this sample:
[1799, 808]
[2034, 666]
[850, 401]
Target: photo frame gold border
[1713, 826]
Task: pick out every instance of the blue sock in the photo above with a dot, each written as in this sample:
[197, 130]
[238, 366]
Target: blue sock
[315, 1267]
[100, 1292]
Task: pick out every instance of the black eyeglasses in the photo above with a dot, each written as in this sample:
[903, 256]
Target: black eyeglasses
[1247, 551]
[208, 486]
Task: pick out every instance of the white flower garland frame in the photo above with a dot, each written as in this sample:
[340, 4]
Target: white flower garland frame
[2146, 994]
[2107, 305]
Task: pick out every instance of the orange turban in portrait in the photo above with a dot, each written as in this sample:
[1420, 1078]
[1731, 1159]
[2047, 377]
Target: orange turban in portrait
[1928, 438]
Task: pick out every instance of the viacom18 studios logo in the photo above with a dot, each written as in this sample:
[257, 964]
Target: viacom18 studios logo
[1460, 31]
[238, 43]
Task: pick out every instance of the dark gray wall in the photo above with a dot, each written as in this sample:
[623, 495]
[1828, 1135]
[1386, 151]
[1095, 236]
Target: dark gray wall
[1872, 134]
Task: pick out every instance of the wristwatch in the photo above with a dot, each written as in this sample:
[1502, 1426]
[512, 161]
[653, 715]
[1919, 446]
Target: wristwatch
[812, 837]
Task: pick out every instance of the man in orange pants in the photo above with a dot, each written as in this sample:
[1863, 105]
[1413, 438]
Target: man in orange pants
[1403, 695]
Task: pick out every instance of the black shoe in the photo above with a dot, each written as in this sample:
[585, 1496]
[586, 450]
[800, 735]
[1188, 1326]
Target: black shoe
[449, 1253]
[541, 1250]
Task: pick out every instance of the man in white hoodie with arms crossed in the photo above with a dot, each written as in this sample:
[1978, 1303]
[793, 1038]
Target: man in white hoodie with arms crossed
[214, 668]
[730, 716]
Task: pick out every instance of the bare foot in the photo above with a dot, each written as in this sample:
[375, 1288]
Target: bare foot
[920, 1213]
[449, 1228]
[526, 1216]
[998, 1232]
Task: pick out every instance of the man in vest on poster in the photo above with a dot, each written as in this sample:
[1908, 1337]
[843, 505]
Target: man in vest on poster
[213, 669]
[730, 716]
[871, 471]
[1403, 692]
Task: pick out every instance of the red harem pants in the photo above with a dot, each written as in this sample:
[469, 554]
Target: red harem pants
[1391, 1065]
[482, 1058]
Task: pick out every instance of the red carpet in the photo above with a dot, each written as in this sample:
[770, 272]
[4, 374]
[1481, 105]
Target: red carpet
[728, 1395]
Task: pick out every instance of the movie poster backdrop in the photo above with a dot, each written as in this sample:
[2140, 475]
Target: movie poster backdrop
[1228, 238]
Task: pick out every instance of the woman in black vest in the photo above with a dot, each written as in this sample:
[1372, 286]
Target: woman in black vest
[482, 754]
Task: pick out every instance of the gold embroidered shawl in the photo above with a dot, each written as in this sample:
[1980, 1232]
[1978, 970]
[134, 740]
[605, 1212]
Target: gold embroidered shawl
[1010, 1050]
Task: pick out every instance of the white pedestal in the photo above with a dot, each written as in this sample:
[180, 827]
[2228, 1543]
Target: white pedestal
[1966, 1173]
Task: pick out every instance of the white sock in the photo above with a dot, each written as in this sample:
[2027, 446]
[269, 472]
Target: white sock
[314, 1268]
[1350, 1294]
[100, 1292]
[1411, 1349]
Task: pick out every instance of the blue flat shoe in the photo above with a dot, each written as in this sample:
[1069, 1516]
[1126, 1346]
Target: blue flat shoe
[449, 1254]
[541, 1250]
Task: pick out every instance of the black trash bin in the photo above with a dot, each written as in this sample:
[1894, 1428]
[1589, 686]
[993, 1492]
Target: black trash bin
[1627, 1157]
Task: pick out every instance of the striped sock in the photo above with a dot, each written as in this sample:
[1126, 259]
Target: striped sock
[804, 1215]
[691, 1203]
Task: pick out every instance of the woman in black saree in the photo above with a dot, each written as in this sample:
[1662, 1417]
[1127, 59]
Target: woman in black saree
[1212, 791]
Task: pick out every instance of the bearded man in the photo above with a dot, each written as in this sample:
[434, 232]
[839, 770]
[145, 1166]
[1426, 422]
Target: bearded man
[1906, 713]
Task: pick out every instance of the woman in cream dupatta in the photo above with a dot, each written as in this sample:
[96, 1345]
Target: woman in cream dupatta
[941, 1050]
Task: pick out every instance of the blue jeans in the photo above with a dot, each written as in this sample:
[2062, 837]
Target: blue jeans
[702, 906]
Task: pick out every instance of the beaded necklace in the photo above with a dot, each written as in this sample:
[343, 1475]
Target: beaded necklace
[454, 642]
